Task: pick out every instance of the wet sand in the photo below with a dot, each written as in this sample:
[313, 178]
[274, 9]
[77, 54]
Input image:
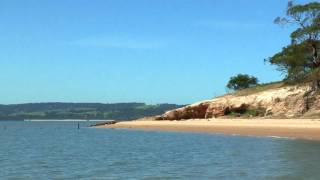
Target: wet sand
[290, 128]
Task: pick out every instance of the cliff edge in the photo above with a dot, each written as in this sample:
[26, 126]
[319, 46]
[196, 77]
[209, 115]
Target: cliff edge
[271, 101]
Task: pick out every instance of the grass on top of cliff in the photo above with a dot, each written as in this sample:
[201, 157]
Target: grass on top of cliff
[260, 88]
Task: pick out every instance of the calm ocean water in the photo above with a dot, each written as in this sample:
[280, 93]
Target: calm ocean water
[58, 150]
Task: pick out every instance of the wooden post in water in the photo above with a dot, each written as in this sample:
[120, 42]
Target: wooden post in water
[78, 125]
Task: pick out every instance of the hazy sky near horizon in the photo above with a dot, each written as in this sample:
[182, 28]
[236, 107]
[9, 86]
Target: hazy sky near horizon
[159, 51]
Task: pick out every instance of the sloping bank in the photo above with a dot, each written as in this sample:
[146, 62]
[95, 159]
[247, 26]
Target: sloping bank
[271, 101]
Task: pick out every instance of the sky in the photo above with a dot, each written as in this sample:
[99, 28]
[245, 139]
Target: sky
[153, 51]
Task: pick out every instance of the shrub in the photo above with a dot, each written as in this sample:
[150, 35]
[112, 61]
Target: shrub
[242, 81]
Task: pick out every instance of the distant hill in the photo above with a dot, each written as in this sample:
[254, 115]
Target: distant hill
[116, 111]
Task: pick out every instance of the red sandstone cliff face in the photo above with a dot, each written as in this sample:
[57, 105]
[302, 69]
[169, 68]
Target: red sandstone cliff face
[286, 102]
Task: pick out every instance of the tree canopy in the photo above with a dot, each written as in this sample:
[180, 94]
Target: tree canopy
[301, 57]
[242, 81]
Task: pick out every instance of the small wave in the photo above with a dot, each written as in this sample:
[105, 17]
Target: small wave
[62, 120]
[281, 137]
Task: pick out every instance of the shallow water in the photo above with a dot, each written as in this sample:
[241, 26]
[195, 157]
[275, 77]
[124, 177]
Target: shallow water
[58, 150]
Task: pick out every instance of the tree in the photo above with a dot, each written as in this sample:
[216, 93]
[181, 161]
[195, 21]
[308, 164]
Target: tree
[301, 57]
[242, 81]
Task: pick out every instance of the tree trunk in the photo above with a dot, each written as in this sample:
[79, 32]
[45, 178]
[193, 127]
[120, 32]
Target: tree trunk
[315, 55]
[316, 63]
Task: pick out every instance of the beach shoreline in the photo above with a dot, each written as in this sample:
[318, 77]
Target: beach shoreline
[287, 128]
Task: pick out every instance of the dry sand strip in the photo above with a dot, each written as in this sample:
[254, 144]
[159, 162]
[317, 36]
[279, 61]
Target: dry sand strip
[291, 128]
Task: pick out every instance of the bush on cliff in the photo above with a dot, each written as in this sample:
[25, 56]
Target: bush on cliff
[242, 81]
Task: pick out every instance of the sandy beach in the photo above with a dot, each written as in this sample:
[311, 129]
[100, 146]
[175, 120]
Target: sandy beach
[290, 128]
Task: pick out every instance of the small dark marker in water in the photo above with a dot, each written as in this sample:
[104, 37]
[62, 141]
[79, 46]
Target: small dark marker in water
[78, 125]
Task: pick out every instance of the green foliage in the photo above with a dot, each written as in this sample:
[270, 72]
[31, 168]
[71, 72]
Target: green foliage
[251, 112]
[118, 111]
[294, 60]
[242, 81]
[301, 57]
[234, 114]
[255, 112]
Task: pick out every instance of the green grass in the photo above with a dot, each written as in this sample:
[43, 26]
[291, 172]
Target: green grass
[259, 88]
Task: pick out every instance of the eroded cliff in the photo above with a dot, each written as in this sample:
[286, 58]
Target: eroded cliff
[282, 101]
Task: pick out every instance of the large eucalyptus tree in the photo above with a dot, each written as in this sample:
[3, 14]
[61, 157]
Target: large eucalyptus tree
[301, 58]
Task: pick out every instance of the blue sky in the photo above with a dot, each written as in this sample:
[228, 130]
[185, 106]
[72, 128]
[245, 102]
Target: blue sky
[153, 51]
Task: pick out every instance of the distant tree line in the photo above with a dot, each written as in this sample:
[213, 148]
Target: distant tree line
[117, 111]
